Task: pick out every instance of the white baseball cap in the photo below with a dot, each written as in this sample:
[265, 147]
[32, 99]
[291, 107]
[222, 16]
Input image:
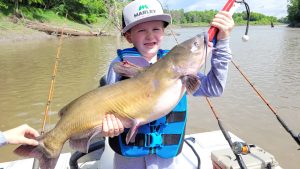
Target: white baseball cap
[140, 11]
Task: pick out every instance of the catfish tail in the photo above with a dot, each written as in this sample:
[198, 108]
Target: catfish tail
[38, 152]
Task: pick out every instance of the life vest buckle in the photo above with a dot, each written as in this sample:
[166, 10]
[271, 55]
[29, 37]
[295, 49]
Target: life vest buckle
[153, 140]
[158, 122]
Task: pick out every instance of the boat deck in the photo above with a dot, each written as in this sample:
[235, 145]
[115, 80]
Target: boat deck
[205, 144]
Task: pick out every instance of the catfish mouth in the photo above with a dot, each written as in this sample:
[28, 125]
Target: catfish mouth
[204, 35]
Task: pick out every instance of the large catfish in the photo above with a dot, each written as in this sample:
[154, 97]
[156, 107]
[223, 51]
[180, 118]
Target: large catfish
[150, 94]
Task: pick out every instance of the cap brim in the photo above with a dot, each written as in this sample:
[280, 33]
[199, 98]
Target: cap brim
[163, 17]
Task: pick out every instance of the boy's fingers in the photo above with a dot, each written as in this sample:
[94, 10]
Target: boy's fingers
[110, 126]
[225, 17]
[218, 25]
[115, 125]
[224, 20]
[222, 17]
[105, 127]
[121, 127]
[226, 13]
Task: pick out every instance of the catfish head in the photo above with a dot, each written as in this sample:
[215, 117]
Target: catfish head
[189, 56]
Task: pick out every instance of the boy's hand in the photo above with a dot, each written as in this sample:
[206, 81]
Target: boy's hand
[224, 22]
[112, 126]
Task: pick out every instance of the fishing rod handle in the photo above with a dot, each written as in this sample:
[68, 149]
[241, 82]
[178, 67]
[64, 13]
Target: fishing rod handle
[295, 136]
[231, 7]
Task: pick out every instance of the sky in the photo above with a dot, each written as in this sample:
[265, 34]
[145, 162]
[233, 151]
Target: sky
[277, 8]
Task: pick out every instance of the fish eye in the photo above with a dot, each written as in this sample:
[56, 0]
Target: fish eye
[196, 44]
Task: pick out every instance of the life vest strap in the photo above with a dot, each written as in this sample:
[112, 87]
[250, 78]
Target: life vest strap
[176, 116]
[153, 139]
[172, 117]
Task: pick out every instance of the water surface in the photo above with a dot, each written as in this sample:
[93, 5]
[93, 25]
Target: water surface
[270, 60]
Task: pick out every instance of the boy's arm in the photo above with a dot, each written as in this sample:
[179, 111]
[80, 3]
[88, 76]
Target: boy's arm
[213, 83]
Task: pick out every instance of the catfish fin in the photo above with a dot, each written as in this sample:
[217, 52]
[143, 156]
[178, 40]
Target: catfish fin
[130, 137]
[191, 82]
[37, 152]
[82, 143]
[127, 69]
[48, 163]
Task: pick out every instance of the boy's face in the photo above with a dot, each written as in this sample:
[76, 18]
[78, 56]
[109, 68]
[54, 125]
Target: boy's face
[146, 37]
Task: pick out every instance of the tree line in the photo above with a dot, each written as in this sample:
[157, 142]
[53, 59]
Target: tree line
[84, 11]
[294, 13]
[181, 17]
[87, 11]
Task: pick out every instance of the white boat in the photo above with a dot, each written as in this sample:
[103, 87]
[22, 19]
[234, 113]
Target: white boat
[211, 147]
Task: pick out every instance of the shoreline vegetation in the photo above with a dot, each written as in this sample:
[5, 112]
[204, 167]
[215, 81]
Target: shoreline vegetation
[15, 29]
[31, 21]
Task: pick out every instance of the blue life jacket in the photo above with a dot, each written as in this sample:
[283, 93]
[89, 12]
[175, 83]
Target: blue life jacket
[163, 137]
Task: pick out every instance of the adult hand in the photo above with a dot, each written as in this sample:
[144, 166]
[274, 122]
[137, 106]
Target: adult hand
[224, 22]
[112, 126]
[23, 134]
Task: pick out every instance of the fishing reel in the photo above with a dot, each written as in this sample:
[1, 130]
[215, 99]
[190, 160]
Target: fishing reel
[240, 148]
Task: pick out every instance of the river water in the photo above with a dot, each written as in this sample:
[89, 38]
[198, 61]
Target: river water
[270, 60]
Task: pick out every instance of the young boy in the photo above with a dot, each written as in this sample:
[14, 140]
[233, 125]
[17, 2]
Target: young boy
[157, 143]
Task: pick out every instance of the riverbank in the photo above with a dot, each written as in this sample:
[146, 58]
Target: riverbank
[16, 29]
[10, 31]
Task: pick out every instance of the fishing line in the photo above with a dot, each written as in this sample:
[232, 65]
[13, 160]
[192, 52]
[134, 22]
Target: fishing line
[171, 30]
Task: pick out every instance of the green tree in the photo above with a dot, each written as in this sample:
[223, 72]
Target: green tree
[3, 5]
[27, 3]
[294, 12]
[85, 11]
[177, 16]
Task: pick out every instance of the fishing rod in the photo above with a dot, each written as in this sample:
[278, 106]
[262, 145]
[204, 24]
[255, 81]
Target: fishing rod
[230, 6]
[238, 148]
[244, 148]
[52, 82]
[291, 132]
[36, 164]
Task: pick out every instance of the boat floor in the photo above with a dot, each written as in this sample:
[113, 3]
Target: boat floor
[205, 143]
